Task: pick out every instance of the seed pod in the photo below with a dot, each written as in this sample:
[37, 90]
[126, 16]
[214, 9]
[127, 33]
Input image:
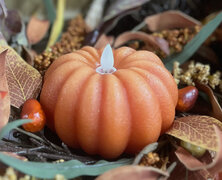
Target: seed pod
[196, 151]
[33, 110]
[186, 98]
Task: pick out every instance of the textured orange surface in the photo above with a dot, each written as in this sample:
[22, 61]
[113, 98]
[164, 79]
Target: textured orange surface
[110, 113]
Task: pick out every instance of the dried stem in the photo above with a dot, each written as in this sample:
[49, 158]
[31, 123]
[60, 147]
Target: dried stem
[40, 148]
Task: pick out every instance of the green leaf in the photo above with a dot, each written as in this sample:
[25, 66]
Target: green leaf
[12, 125]
[70, 169]
[50, 8]
[58, 23]
[195, 43]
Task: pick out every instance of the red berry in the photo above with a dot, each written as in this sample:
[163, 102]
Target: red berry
[186, 98]
[32, 110]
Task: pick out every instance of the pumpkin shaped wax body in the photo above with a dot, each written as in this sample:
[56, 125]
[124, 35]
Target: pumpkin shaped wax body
[108, 114]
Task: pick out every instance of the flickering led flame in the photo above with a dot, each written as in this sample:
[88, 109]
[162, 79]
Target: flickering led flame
[106, 61]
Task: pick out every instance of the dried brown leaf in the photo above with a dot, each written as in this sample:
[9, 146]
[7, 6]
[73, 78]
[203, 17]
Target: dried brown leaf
[197, 130]
[103, 41]
[13, 22]
[23, 80]
[181, 171]
[3, 9]
[216, 109]
[170, 20]
[149, 40]
[133, 172]
[194, 164]
[4, 95]
[37, 29]
[117, 7]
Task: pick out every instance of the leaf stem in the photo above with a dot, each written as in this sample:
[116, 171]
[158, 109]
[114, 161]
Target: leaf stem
[58, 24]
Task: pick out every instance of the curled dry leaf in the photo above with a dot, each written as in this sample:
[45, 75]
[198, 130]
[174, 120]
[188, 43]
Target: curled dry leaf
[149, 40]
[95, 13]
[197, 130]
[216, 109]
[133, 172]
[170, 20]
[185, 157]
[194, 164]
[103, 41]
[23, 80]
[36, 29]
[117, 7]
[3, 9]
[13, 22]
[4, 95]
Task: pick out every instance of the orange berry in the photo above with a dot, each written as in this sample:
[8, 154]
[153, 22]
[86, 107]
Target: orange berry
[186, 98]
[32, 110]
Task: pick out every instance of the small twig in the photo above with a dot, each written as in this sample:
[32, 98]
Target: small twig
[66, 148]
[30, 134]
[36, 142]
[52, 144]
[45, 155]
[10, 142]
[42, 148]
[10, 148]
[26, 151]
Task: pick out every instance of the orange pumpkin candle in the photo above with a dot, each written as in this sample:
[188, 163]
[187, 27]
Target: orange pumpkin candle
[111, 102]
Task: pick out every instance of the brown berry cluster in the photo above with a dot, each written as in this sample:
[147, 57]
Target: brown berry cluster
[71, 40]
[178, 38]
[149, 159]
[197, 72]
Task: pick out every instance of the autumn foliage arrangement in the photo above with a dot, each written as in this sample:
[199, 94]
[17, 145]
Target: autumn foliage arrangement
[94, 97]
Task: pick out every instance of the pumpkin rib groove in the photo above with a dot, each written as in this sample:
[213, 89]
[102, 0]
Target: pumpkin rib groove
[88, 114]
[113, 133]
[121, 54]
[159, 71]
[93, 52]
[145, 108]
[81, 58]
[130, 106]
[56, 64]
[78, 57]
[69, 61]
[66, 108]
[142, 55]
[87, 56]
[100, 121]
[166, 103]
[49, 96]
